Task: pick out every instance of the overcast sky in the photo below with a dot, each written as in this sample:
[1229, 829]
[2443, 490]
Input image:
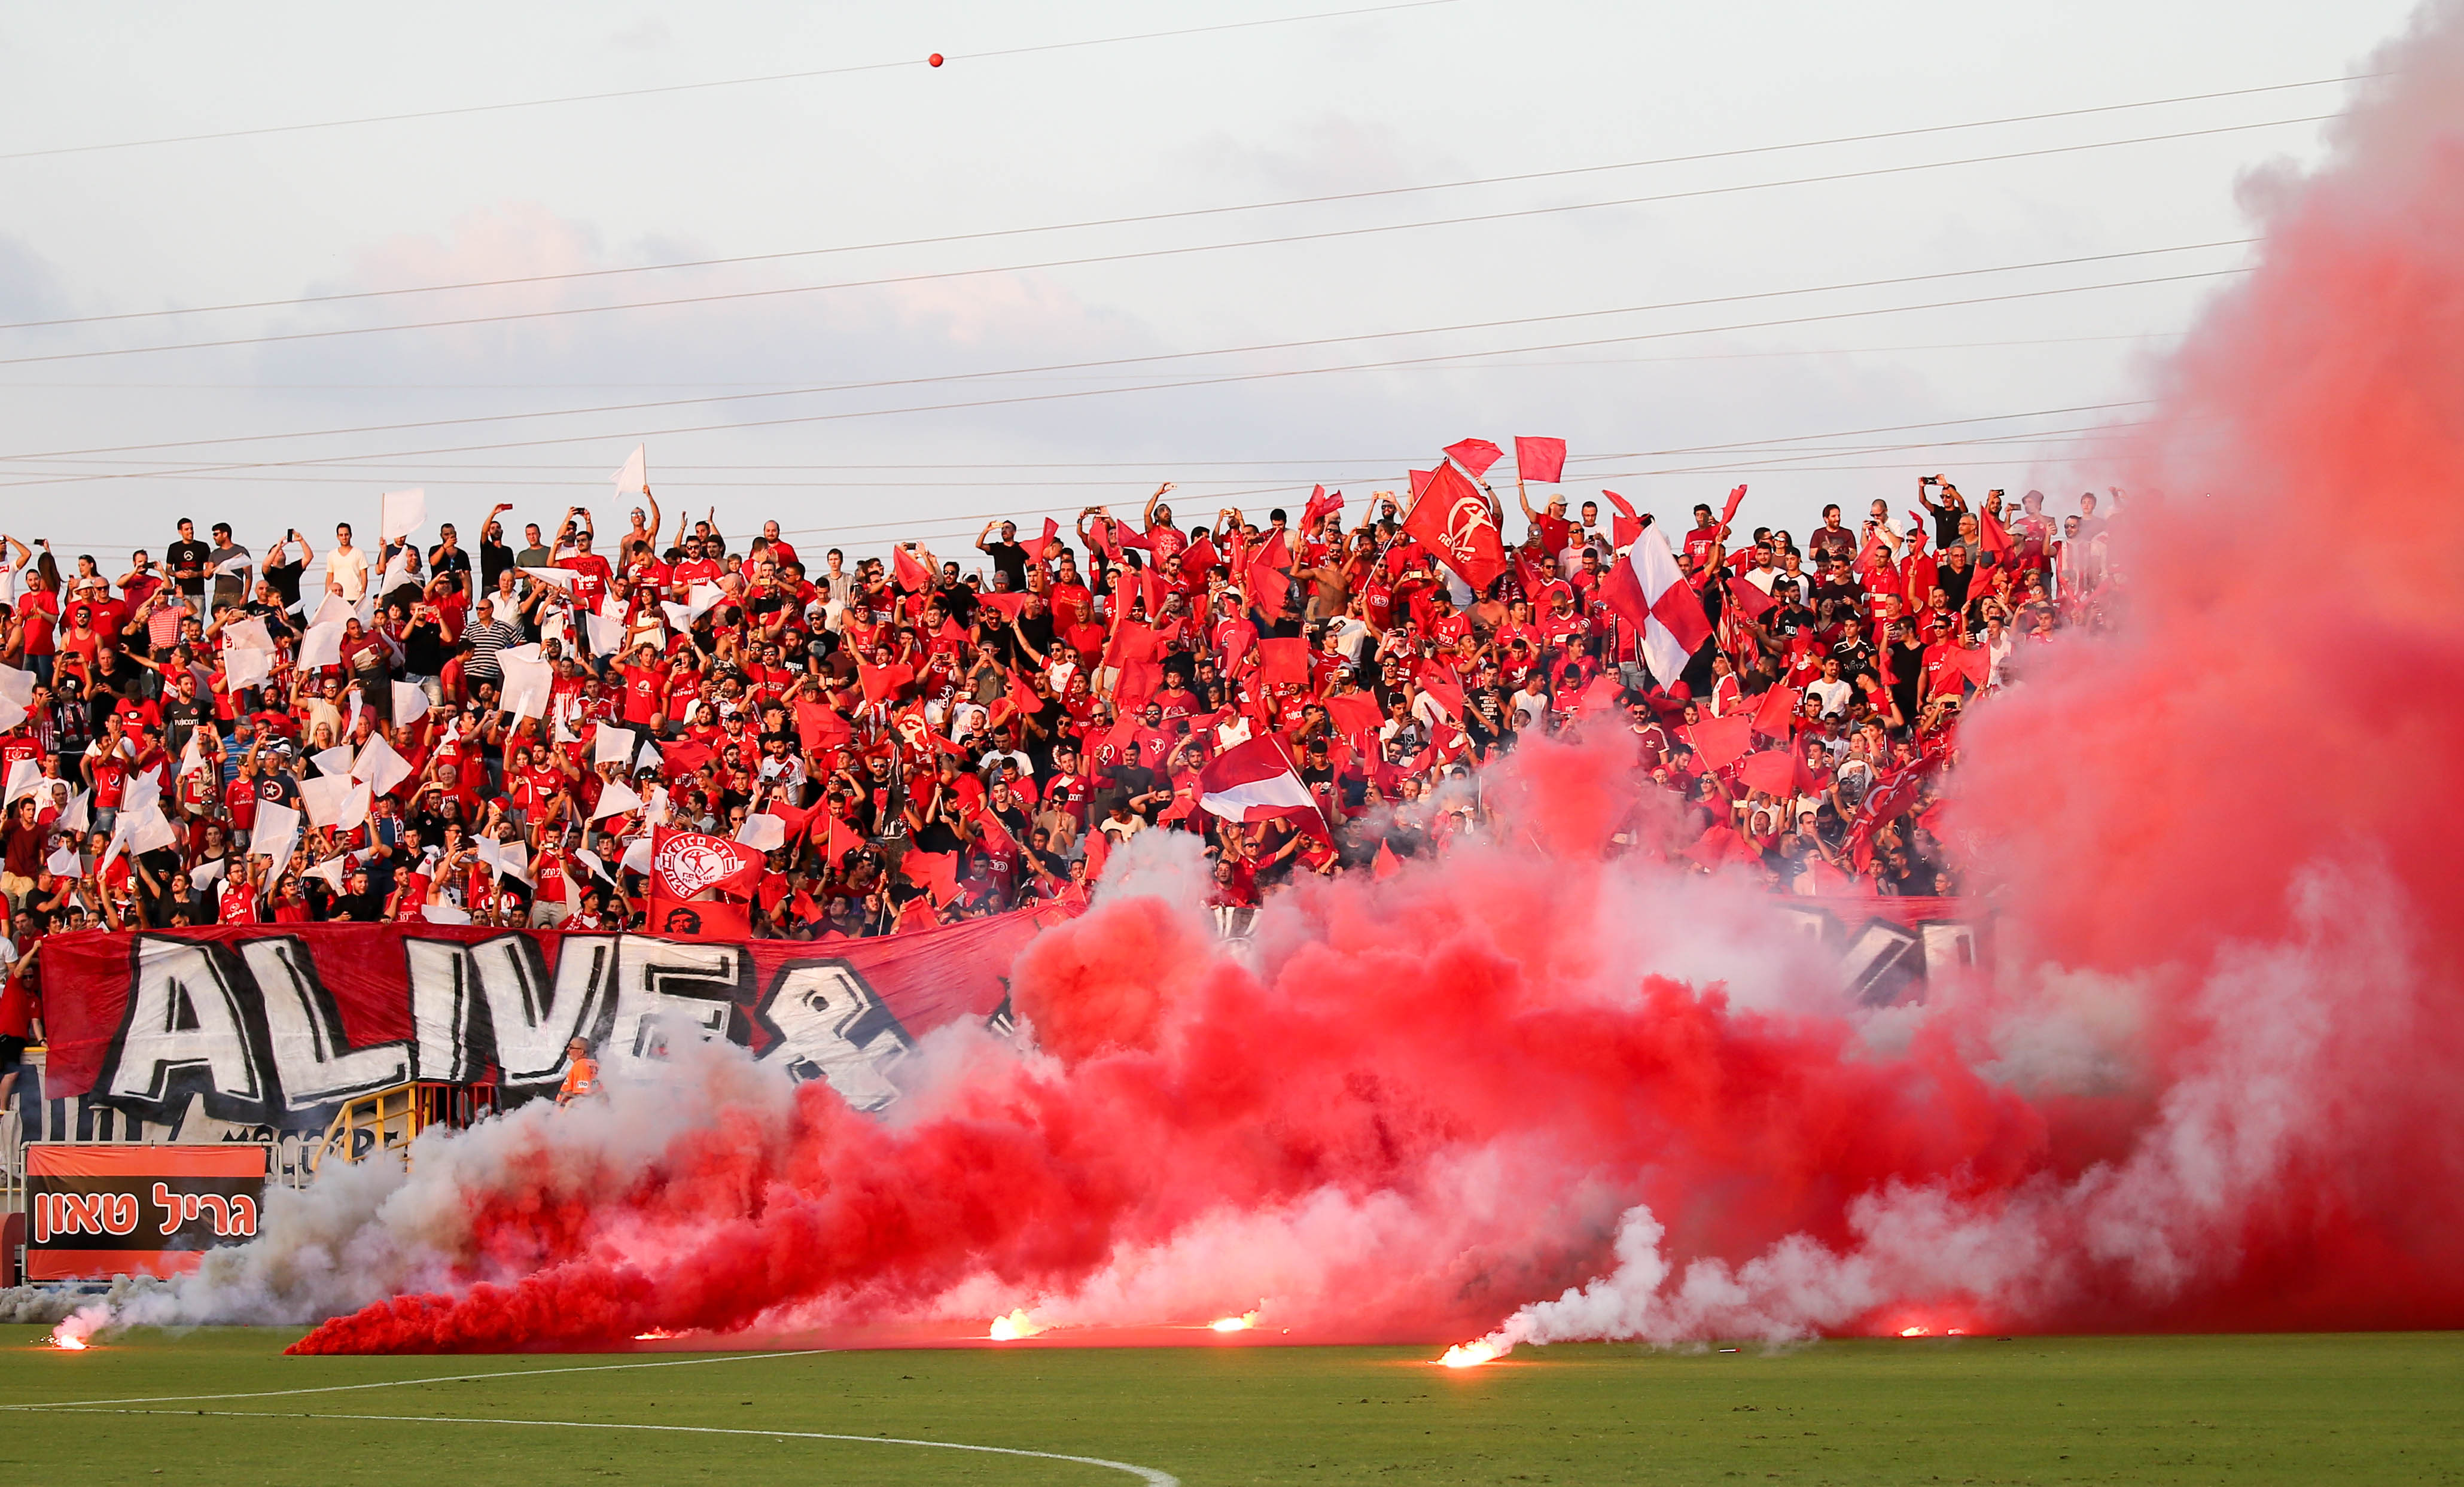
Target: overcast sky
[883, 149]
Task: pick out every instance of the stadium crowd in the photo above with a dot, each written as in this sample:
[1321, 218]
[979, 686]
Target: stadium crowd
[490, 732]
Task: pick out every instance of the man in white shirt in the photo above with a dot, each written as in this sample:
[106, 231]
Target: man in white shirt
[346, 567]
[1833, 691]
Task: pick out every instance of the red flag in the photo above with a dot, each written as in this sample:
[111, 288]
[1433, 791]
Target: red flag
[1099, 851]
[1720, 742]
[1718, 845]
[1627, 525]
[1476, 455]
[1889, 799]
[1736, 498]
[708, 919]
[687, 862]
[838, 839]
[935, 872]
[1447, 744]
[1750, 597]
[1011, 605]
[680, 758]
[1774, 771]
[1021, 694]
[1996, 537]
[1132, 641]
[908, 569]
[1138, 681]
[1284, 662]
[1453, 519]
[1775, 714]
[1353, 712]
[882, 683]
[1268, 587]
[1320, 503]
[1151, 585]
[1051, 535]
[819, 725]
[1539, 459]
[1440, 683]
[1385, 864]
[1194, 561]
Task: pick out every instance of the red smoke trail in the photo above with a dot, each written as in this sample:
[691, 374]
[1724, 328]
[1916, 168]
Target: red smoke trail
[2209, 1087]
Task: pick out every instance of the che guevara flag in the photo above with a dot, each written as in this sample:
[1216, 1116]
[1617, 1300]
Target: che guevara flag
[687, 863]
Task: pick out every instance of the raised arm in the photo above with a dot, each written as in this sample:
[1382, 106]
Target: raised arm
[1162, 491]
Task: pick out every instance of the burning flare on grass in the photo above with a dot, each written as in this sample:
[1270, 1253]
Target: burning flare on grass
[70, 1336]
[1471, 1355]
[1239, 1323]
[1014, 1326]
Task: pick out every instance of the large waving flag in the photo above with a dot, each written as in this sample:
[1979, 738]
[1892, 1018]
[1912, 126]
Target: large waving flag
[1254, 781]
[1648, 588]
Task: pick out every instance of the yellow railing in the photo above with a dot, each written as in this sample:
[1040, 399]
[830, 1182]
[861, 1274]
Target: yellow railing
[391, 1119]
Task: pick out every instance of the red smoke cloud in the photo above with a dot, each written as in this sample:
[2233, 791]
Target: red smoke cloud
[2209, 1086]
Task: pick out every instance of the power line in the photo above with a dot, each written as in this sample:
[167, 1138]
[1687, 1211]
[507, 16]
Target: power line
[1085, 260]
[1744, 450]
[1200, 382]
[694, 87]
[780, 386]
[1168, 216]
[1255, 348]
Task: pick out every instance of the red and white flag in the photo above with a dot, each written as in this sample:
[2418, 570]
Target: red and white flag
[1253, 781]
[1648, 588]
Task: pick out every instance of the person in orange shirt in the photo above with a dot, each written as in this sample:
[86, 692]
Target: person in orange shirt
[580, 1073]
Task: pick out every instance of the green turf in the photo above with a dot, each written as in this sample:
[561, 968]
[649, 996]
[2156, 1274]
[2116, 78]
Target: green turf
[2243, 1410]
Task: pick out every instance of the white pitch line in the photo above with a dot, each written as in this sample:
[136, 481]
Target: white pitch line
[1145, 1473]
[449, 1378]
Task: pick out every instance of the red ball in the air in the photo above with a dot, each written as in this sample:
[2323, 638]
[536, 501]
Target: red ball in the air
[935, 59]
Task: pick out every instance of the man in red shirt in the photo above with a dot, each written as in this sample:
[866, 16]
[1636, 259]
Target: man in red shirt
[592, 576]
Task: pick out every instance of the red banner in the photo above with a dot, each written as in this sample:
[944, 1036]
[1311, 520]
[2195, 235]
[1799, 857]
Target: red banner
[136, 1210]
[276, 1024]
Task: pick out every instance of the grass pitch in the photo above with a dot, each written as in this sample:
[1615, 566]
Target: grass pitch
[2243, 1410]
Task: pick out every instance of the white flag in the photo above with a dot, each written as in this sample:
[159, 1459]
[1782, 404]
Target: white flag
[244, 668]
[331, 870]
[635, 479]
[276, 833]
[379, 766]
[77, 817]
[24, 776]
[409, 702]
[321, 645]
[615, 799]
[763, 833]
[335, 761]
[248, 634]
[322, 797]
[607, 637]
[401, 512]
[63, 863]
[610, 745]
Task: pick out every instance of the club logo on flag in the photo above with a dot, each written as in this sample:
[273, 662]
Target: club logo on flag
[690, 861]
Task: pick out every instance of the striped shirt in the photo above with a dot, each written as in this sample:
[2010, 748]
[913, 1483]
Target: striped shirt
[486, 638]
